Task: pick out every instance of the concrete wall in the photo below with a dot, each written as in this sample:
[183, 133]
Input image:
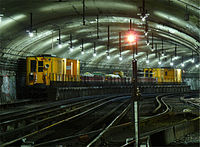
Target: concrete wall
[7, 87]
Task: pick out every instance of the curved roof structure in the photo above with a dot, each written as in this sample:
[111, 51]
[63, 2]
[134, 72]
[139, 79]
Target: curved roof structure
[166, 30]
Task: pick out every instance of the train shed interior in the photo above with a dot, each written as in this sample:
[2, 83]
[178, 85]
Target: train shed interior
[79, 53]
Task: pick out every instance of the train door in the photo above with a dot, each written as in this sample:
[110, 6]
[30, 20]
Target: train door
[40, 70]
[31, 76]
[46, 71]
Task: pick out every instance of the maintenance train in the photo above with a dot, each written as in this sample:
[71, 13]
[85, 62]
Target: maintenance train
[45, 69]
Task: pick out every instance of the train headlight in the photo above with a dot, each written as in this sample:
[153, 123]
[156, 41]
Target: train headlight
[46, 66]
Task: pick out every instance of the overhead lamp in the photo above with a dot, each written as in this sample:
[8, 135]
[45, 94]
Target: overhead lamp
[171, 63]
[197, 66]
[71, 49]
[108, 57]
[182, 64]
[159, 62]
[71, 45]
[192, 57]
[82, 52]
[163, 54]
[147, 42]
[94, 54]
[59, 45]
[1, 16]
[82, 47]
[31, 30]
[30, 34]
[192, 60]
[147, 59]
[120, 58]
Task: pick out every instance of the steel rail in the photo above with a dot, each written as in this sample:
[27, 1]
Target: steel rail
[75, 114]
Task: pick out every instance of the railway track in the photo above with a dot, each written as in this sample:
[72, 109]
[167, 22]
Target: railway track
[87, 124]
[56, 117]
[163, 117]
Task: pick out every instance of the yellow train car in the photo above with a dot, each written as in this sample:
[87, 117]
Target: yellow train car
[164, 75]
[72, 70]
[42, 70]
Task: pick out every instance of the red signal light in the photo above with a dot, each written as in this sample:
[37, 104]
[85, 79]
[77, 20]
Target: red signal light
[131, 37]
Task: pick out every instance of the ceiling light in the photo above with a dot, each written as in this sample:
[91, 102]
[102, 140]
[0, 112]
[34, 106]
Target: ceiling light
[163, 54]
[147, 61]
[159, 62]
[197, 66]
[147, 42]
[82, 52]
[71, 49]
[94, 54]
[108, 57]
[59, 45]
[143, 18]
[120, 58]
[1, 16]
[171, 63]
[182, 64]
[192, 60]
[30, 34]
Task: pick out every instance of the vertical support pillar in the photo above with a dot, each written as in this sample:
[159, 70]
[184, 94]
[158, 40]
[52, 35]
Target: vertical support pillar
[135, 102]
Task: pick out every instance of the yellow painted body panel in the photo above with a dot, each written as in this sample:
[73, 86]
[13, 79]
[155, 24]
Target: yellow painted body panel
[164, 74]
[43, 70]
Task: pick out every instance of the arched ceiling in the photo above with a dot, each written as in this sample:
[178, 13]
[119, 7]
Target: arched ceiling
[168, 22]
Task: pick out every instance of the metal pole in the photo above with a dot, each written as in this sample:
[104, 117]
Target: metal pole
[135, 102]
[97, 27]
[52, 41]
[83, 12]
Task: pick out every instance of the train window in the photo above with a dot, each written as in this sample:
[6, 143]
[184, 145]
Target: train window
[40, 66]
[166, 73]
[151, 74]
[40, 63]
[40, 69]
[33, 66]
[146, 73]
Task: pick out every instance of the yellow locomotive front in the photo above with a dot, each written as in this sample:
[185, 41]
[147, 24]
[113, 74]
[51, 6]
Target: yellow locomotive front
[164, 75]
[41, 70]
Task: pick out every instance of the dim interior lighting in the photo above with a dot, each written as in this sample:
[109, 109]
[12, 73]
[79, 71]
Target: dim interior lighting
[82, 52]
[197, 66]
[159, 62]
[182, 64]
[171, 63]
[147, 61]
[120, 58]
[94, 54]
[59, 45]
[108, 57]
[30, 34]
